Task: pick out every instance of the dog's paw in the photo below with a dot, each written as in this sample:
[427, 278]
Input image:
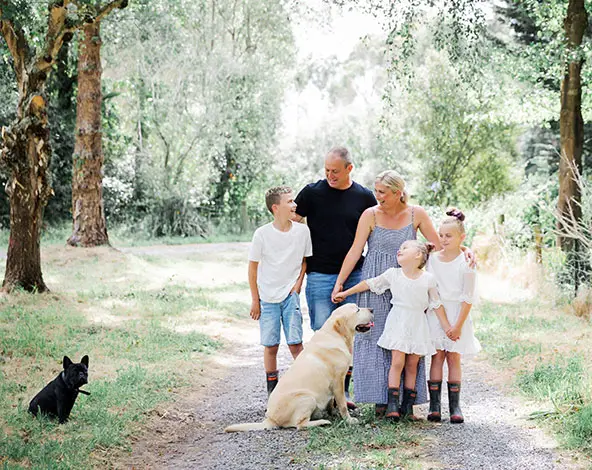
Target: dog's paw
[351, 420]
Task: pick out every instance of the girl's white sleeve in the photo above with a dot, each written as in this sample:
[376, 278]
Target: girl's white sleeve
[380, 284]
[469, 289]
[433, 294]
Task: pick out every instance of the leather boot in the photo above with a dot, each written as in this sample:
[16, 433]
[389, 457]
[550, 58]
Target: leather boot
[392, 408]
[435, 413]
[456, 415]
[407, 404]
[350, 404]
[272, 380]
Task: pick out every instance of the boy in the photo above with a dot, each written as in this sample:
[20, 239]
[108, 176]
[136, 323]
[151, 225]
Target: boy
[277, 266]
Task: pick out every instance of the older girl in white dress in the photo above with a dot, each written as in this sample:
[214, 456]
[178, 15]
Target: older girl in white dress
[406, 331]
[454, 336]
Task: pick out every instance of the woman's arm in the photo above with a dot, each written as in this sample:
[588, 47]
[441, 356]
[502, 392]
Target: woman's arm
[426, 227]
[365, 226]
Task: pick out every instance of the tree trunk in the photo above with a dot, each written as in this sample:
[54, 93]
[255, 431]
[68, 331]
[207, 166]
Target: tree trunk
[89, 225]
[28, 188]
[571, 128]
[571, 123]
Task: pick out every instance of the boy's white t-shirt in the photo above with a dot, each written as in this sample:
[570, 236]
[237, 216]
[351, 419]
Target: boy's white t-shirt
[279, 255]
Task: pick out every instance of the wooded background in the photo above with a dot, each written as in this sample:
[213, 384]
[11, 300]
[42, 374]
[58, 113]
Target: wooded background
[170, 117]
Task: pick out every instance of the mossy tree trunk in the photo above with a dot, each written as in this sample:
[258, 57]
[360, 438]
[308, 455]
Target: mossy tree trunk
[89, 227]
[25, 148]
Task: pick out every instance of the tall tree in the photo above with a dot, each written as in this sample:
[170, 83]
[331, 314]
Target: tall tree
[571, 127]
[25, 145]
[89, 227]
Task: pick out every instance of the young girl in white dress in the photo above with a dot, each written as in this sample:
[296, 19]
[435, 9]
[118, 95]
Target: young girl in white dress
[406, 332]
[454, 336]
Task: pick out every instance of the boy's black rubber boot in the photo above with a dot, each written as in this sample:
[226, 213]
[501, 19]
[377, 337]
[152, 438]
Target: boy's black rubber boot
[407, 404]
[350, 404]
[435, 413]
[272, 380]
[456, 415]
[393, 411]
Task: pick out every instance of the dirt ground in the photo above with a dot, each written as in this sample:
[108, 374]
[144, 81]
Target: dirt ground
[188, 434]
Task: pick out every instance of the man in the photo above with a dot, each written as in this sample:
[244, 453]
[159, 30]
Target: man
[332, 208]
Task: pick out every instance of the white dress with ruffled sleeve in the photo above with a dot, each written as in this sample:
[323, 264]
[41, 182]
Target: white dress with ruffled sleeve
[456, 284]
[406, 328]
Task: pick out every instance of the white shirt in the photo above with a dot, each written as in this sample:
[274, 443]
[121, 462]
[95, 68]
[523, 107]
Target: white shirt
[279, 255]
[456, 280]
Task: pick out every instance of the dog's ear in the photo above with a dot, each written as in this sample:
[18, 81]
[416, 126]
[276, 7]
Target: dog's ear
[340, 326]
[84, 360]
[67, 362]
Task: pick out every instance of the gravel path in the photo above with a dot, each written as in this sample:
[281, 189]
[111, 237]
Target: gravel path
[495, 435]
[238, 397]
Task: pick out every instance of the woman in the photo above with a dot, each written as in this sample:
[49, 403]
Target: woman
[385, 227]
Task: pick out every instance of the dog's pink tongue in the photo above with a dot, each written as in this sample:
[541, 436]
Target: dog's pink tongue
[371, 324]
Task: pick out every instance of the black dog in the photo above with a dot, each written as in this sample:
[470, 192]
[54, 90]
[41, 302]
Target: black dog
[58, 396]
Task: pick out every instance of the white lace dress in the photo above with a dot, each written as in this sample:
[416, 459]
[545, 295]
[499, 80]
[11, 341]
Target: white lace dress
[456, 284]
[406, 327]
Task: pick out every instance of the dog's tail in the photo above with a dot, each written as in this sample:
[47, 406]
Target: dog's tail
[266, 424]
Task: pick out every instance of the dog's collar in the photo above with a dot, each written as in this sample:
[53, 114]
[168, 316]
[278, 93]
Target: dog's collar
[63, 377]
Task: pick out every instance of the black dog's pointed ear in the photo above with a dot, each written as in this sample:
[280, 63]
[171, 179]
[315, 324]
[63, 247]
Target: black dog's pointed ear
[84, 360]
[67, 362]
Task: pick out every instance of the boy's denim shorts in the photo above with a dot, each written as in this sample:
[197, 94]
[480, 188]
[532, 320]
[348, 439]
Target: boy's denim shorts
[288, 314]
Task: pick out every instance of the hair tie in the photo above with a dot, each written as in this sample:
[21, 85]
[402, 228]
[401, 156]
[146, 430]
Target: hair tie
[457, 214]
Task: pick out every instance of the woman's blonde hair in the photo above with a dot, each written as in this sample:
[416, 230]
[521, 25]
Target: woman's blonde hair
[392, 180]
[456, 218]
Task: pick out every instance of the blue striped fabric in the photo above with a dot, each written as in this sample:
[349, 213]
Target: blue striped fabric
[371, 362]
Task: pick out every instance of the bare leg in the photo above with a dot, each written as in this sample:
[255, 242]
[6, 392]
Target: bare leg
[437, 365]
[295, 349]
[397, 364]
[454, 367]
[411, 361]
[270, 358]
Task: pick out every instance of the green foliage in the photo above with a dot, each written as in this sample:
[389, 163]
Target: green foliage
[566, 386]
[199, 124]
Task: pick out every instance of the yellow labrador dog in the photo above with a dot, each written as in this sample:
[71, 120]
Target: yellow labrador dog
[316, 376]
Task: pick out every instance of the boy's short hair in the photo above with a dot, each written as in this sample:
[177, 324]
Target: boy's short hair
[274, 195]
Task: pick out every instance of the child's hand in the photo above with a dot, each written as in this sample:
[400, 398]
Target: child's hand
[453, 333]
[338, 297]
[336, 291]
[255, 310]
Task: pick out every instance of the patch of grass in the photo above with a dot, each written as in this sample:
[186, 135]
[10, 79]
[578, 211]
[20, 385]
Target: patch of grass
[369, 444]
[551, 370]
[98, 422]
[565, 388]
[134, 365]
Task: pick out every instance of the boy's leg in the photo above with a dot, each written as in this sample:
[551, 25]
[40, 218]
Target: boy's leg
[269, 327]
[292, 323]
[319, 287]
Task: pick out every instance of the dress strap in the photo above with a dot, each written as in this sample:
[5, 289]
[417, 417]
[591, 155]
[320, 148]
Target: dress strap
[412, 218]
[374, 216]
